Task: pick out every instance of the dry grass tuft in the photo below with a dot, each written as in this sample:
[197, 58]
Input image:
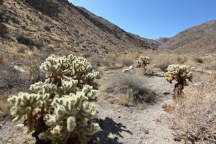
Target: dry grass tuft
[194, 117]
[168, 108]
[4, 109]
[133, 91]
[198, 60]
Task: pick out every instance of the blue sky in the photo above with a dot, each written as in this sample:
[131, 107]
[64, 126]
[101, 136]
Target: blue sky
[152, 18]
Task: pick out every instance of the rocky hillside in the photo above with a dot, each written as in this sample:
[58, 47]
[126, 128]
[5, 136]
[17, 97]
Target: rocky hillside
[42, 27]
[162, 40]
[200, 39]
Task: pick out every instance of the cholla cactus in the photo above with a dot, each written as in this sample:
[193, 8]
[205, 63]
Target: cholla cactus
[142, 61]
[60, 109]
[180, 73]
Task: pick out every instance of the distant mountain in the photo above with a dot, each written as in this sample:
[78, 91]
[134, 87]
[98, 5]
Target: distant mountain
[162, 40]
[57, 26]
[199, 39]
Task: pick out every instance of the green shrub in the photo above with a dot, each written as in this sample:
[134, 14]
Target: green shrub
[60, 109]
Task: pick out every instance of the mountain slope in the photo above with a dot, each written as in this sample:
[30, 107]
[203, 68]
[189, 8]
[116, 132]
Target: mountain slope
[199, 39]
[57, 26]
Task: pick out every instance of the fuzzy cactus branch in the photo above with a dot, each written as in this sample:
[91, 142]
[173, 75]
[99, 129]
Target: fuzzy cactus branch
[180, 73]
[60, 108]
[142, 62]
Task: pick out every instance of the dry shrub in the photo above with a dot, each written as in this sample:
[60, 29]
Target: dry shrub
[198, 60]
[35, 74]
[110, 59]
[2, 60]
[211, 67]
[11, 81]
[212, 76]
[4, 109]
[96, 61]
[126, 59]
[133, 90]
[182, 59]
[120, 60]
[194, 117]
[126, 62]
[162, 61]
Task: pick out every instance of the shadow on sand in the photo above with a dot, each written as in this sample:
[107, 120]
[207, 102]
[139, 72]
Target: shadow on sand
[110, 127]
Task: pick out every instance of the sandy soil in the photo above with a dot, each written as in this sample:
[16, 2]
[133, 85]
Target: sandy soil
[131, 125]
[119, 124]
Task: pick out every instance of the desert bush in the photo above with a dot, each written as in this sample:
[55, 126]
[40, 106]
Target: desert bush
[180, 73]
[163, 60]
[127, 62]
[163, 66]
[34, 71]
[181, 59]
[29, 42]
[211, 67]
[24, 40]
[60, 109]
[4, 109]
[126, 59]
[134, 87]
[198, 60]
[96, 61]
[194, 118]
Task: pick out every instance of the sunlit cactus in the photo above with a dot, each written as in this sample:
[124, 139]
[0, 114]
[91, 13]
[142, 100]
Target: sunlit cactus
[60, 109]
[142, 62]
[182, 74]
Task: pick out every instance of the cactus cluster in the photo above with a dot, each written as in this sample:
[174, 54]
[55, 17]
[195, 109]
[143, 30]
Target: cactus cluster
[142, 61]
[178, 73]
[60, 109]
[182, 74]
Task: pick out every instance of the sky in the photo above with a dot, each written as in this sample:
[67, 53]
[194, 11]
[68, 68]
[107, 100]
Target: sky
[152, 18]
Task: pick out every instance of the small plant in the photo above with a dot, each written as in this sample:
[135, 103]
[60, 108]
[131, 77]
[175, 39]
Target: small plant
[194, 120]
[59, 110]
[142, 62]
[134, 89]
[180, 73]
[34, 71]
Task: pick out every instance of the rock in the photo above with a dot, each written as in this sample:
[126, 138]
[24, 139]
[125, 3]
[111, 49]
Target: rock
[19, 69]
[128, 69]
[146, 131]
[111, 136]
[20, 125]
[131, 67]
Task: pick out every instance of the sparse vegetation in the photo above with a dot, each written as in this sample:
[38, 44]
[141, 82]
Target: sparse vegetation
[60, 109]
[35, 72]
[194, 118]
[198, 60]
[134, 90]
[182, 59]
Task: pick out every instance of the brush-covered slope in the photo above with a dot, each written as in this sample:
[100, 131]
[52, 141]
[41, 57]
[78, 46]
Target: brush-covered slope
[42, 27]
[199, 39]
